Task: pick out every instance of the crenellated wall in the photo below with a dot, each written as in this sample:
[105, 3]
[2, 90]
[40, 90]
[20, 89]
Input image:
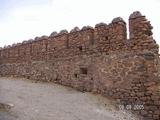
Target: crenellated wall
[103, 38]
[100, 60]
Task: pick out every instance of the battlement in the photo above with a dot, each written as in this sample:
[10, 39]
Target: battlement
[102, 38]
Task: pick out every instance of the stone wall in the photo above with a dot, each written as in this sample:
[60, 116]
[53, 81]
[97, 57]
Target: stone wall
[100, 60]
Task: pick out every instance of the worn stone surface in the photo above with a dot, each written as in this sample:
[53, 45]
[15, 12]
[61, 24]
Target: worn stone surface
[101, 60]
[45, 101]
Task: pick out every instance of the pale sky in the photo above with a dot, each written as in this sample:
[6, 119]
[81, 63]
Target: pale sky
[25, 19]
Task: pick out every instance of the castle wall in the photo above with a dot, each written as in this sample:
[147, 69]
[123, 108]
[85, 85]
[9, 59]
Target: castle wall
[100, 60]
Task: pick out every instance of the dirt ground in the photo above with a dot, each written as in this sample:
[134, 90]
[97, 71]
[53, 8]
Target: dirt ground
[48, 101]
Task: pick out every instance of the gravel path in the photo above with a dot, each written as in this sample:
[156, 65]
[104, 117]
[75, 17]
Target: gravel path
[48, 101]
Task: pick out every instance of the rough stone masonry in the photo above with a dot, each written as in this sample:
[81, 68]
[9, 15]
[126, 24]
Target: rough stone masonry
[100, 60]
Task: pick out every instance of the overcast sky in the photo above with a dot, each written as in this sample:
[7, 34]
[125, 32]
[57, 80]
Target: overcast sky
[24, 19]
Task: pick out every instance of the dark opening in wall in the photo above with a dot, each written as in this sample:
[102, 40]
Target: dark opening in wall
[75, 75]
[80, 48]
[54, 48]
[106, 38]
[84, 71]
